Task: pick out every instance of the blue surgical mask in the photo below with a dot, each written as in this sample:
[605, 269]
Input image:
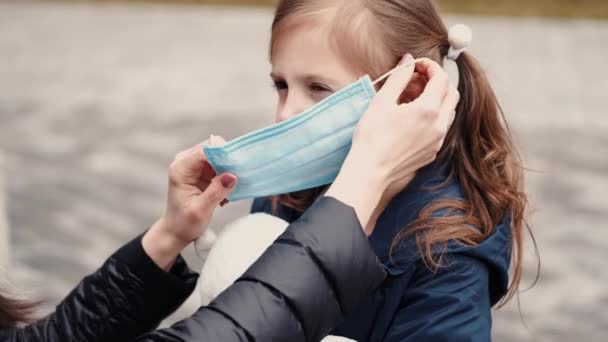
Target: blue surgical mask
[303, 152]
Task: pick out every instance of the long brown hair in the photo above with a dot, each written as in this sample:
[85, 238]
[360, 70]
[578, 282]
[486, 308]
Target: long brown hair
[373, 35]
[15, 312]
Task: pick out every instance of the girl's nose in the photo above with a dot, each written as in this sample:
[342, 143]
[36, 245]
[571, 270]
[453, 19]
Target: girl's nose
[292, 107]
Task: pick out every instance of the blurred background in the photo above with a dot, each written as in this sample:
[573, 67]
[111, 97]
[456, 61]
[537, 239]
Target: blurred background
[96, 97]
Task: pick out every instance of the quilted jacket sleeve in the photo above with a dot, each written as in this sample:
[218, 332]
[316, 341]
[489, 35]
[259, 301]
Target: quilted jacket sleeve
[128, 296]
[316, 271]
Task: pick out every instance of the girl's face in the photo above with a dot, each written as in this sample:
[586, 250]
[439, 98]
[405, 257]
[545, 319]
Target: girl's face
[305, 70]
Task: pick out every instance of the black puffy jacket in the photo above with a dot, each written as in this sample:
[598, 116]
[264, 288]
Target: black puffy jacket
[315, 272]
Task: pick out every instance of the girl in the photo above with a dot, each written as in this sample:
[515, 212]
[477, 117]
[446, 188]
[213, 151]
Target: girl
[144, 281]
[448, 238]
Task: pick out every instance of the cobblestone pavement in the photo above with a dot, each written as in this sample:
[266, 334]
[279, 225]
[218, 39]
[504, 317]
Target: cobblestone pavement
[96, 99]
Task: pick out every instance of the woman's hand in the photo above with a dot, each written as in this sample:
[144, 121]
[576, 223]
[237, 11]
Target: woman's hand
[194, 193]
[393, 139]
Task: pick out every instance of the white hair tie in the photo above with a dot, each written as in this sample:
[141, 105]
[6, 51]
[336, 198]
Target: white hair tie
[460, 37]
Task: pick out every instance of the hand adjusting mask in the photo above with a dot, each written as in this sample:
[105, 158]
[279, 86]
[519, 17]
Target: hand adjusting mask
[300, 153]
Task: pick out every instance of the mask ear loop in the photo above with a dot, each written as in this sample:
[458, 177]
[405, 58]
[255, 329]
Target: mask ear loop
[394, 70]
[459, 36]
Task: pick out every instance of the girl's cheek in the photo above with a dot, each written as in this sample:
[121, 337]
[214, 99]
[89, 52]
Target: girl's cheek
[320, 96]
[277, 115]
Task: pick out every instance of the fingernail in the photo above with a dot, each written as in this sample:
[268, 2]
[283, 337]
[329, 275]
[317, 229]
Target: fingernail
[228, 180]
[407, 59]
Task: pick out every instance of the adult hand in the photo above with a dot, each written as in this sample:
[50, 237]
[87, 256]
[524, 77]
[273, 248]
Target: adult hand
[394, 139]
[195, 191]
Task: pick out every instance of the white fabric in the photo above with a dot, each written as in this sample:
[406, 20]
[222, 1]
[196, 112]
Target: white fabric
[453, 54]
[233, 251]
[460, 37]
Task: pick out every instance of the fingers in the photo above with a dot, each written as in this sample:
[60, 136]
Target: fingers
[219, 188]
[437, 87]
[216, 140]
[398, 81]
[213, 141]
[207, 170]
[192, 158]
[191, 166]
[448, 108]
[225, 179]
[414, 88]
[428, 67]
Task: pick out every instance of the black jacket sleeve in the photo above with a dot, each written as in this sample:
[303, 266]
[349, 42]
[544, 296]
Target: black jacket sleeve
[128, 296]
[315, 272]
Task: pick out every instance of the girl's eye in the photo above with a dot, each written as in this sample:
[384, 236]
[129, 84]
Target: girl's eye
[316, 87]
[280, 85]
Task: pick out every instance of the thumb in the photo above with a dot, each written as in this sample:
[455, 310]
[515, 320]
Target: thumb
[219, 188]
[397, 82]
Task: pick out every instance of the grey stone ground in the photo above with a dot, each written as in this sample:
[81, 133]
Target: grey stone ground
[96, 99]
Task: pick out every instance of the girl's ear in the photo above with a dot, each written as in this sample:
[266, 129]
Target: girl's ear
[414, 89]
